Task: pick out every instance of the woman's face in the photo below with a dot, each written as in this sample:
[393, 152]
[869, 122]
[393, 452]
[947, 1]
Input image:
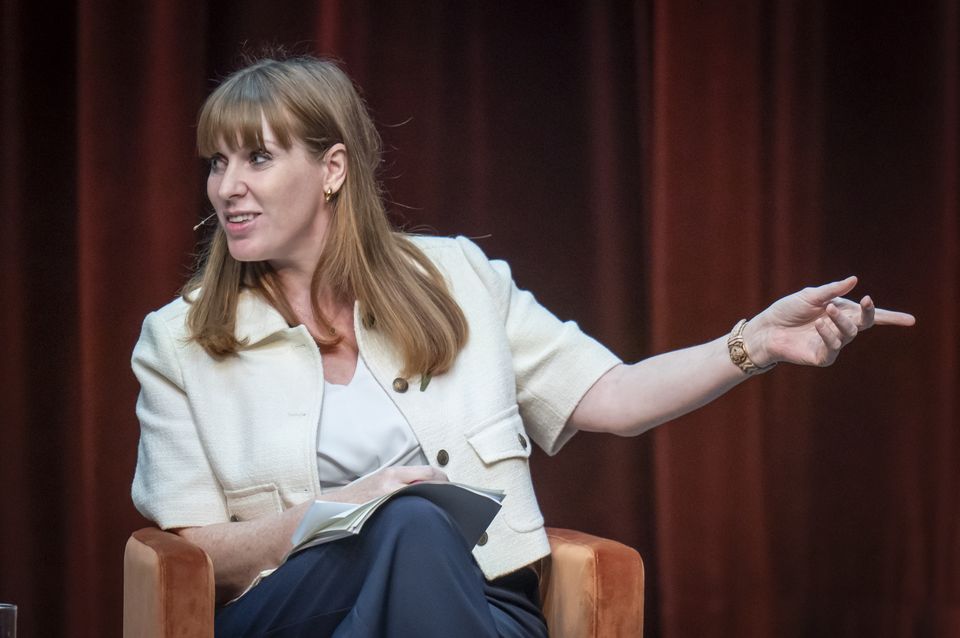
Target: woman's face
[270, 202]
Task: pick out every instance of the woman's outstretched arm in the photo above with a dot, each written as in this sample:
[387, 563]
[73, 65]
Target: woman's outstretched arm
[808, 327]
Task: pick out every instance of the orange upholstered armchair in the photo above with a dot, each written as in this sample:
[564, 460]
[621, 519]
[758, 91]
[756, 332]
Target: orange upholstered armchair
[591, 587]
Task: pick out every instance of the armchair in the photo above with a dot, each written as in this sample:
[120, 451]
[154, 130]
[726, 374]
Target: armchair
[591, 587]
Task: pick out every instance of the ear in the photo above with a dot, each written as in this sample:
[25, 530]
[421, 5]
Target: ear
[335, 167]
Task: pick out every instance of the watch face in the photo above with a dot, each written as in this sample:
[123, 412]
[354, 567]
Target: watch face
[738, 354]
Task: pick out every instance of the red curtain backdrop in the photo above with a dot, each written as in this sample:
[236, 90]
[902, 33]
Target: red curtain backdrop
[655, 170]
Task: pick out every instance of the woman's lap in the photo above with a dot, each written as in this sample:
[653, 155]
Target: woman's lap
[408, 573]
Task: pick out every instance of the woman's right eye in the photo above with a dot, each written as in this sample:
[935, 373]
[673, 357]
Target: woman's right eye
[217, 163]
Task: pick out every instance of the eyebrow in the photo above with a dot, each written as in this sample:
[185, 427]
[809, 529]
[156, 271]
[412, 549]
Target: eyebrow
[240, 148]
[267, 141]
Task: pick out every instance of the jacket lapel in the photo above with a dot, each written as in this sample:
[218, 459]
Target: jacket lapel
[423, 410]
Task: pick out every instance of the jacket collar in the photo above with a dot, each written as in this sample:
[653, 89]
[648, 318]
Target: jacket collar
[256, 319]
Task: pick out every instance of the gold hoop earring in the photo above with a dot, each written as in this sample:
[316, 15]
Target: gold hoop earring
[328, 195]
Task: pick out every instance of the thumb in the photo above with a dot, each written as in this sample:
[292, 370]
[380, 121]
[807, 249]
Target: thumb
[822, 295]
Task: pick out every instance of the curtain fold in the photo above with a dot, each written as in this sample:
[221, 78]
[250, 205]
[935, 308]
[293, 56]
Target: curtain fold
[140, 74]
[653, 170]
[37, 294]
[707, 260]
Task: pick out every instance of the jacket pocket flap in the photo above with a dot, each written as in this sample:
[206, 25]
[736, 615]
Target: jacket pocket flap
[253, 502]
[500, 437]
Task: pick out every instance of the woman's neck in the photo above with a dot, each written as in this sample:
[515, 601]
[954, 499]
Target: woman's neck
[296, 285]
[295, 282]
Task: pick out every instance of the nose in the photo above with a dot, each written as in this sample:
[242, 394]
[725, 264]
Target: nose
[232, 185]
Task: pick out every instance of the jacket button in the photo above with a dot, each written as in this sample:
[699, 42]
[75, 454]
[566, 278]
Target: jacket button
[234, 518]
[483, 539]
[443, 457]
[523, 441]
[400, 385]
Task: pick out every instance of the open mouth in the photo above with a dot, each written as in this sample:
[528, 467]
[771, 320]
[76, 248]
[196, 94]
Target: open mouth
[240, 218]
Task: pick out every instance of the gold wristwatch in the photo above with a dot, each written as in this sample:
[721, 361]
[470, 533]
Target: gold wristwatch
[739, 354]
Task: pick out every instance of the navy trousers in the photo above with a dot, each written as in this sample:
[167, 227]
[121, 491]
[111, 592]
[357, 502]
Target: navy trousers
[409, 573]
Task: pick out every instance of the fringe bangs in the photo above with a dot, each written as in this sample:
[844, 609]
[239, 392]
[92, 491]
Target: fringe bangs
[234, 115]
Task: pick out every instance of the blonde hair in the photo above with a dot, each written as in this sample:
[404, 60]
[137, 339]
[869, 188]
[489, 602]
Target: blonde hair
[400, 292]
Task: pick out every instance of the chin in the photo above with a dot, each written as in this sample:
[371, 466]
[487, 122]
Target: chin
[245, 258]
[244, 253]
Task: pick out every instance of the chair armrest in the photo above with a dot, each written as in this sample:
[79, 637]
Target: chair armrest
[168, 587]
[591, 587]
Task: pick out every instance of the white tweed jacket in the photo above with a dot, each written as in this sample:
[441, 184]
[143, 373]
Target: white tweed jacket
[235, 439]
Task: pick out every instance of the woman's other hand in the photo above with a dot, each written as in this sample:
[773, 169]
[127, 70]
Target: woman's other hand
[810, 327]
[384, 481]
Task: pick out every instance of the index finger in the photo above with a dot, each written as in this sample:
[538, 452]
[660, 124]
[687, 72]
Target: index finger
[893, 318]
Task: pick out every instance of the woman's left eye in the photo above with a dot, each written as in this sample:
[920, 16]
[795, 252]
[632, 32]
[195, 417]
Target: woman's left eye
[260, 157]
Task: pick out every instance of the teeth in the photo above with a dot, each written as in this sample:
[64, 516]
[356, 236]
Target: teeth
[236, 219]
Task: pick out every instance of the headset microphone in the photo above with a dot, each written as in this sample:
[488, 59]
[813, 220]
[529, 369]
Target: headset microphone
[205, 220]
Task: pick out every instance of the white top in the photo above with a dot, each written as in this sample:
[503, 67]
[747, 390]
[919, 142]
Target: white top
[361, 430]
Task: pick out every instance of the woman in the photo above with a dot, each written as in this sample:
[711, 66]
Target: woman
[318, 353]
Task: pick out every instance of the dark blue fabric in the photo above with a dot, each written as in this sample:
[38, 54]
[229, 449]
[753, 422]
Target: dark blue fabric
[409, 573]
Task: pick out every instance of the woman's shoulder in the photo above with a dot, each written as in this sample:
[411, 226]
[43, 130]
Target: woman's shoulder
[432, 244]
[170, 318]
[177, 307]
[466, 267]
[175, 311]
[450, 251]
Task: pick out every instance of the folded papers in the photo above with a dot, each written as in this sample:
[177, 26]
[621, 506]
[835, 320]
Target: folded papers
[471, 509]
